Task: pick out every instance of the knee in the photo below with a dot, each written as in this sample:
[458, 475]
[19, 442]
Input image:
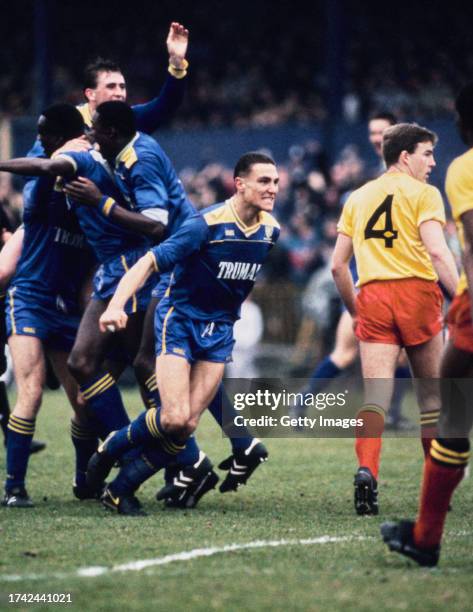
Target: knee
[177, 424]
[143, 367]
[81, 366]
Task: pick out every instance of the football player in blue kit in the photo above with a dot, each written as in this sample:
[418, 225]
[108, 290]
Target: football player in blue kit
[149, 184]
[215, 258]
[154, 204]
[43, 305]
[120, 230]
[119, 236]
[104, 82]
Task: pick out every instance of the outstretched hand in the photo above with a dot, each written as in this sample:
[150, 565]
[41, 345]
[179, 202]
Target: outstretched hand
[84, 191]
[177, 41]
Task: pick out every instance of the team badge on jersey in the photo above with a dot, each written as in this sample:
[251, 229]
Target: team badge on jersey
[268, 232]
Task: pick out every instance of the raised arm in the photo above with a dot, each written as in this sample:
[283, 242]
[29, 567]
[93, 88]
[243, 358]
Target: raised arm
[431, 233]
[153, 114]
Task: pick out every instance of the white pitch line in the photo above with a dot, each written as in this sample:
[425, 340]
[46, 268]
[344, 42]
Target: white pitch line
[136, 566]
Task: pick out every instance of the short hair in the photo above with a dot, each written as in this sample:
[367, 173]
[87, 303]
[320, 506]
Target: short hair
[246, 161]
[464, 106]
[92, 70]
[404, 137]
[384, 116]
[64, 120]
[118, 115]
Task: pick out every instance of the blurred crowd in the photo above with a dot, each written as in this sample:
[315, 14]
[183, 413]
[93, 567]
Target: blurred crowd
[251, 66]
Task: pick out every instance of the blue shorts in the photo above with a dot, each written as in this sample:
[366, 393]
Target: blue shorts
[110, 273]
[191, 339]
[160, 290]
[43, 317]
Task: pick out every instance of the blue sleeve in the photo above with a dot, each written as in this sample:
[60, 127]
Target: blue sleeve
[187, 240]
[149, 189]
[159, 110]
[82, 161]
[36, 196]
[36, 150]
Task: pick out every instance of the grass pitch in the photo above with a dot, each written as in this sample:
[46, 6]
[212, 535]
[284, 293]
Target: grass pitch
[304, 492]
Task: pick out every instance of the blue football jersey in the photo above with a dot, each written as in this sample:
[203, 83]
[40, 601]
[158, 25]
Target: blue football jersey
[55, 258]
[215, 260]
[107, 239]
[149, 183]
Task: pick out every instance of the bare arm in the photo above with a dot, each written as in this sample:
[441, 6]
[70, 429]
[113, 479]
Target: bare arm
[9, 257]
[85, 191]
[37, 166]
[431, 233]
[342, 254]
[114, 317]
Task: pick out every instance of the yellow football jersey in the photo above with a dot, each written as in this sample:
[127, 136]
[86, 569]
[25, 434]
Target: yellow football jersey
[459, 189]
[383, 219]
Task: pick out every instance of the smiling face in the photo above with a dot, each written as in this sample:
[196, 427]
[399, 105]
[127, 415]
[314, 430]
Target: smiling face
[259, 187]
[421, 162]
[109, 86]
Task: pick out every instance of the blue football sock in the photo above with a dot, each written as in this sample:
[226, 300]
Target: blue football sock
[145, 430]
[132, 475]
[85, 443]
[223, 411]
[318, 379]
[105, 403]
[190, 454]
[20, 434]
[151, 392]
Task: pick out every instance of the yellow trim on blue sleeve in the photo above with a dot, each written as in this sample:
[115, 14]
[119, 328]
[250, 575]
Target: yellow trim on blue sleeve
[179, 73]
[108, 205]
